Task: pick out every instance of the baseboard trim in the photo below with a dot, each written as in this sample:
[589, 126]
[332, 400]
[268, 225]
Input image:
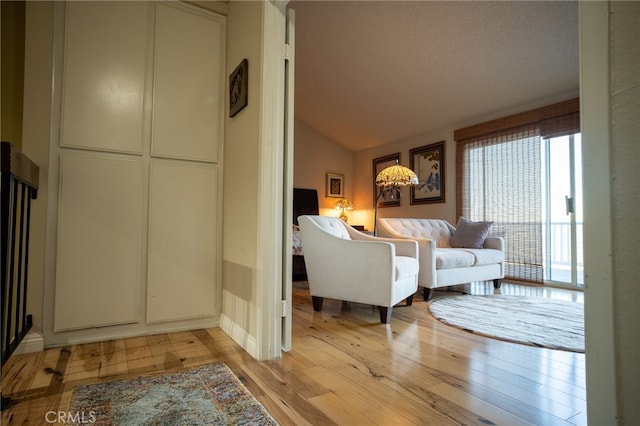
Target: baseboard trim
[32, 342]
[125, 331]
[239, 335]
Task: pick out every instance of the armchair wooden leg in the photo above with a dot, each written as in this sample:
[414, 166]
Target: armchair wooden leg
[497, 283]
[385, 314]
[317, 303]
[409, 300]
[427, 293]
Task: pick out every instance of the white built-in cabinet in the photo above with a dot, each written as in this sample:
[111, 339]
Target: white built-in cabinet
[139, 159]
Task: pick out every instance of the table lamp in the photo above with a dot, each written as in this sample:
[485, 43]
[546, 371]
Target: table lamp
[343, 204]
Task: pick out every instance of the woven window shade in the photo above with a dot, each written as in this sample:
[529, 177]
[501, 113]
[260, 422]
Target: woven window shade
[499, 179]
[563, 125]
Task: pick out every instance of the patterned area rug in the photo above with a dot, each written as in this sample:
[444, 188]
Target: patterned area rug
[210, 395]
[535, 321]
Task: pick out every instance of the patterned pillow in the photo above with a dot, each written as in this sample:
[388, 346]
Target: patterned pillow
[469, 234]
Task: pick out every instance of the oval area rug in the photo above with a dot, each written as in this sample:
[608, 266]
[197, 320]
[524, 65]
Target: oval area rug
[535, 321]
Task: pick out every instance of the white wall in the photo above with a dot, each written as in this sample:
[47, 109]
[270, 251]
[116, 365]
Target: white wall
[610, 86]
[240, 303]
[315, 155]
[35, 140]
[253, 185]
[625, 156]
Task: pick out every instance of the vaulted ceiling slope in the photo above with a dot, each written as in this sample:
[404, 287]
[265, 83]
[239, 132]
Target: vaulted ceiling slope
[369, 73]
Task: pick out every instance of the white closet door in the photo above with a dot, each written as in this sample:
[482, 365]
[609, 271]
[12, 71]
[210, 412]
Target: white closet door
[103, 78]
[183, 240]
[188, 87]
[139, 191]
[99, 250]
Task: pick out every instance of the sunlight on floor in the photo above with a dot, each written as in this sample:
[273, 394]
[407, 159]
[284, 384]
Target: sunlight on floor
[513, 289]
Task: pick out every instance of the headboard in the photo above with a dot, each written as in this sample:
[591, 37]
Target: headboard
[305, 201]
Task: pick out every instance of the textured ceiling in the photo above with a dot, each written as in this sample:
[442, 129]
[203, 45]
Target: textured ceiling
[369, 73]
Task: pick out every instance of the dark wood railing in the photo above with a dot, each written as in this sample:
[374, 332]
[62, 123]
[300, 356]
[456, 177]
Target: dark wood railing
[19, 187]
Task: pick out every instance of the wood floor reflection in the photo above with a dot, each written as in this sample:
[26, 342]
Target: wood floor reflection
[345, 368]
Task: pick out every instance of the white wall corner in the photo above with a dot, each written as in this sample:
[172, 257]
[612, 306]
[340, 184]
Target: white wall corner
[32, 342]
[239, 335]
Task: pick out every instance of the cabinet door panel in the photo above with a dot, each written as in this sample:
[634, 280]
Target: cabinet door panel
[104, 70]
[98, 264]
[183, 268]
[188, 88]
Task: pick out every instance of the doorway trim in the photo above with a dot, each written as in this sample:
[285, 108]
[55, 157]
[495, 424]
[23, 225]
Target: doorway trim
[272, 183]
[595, 112]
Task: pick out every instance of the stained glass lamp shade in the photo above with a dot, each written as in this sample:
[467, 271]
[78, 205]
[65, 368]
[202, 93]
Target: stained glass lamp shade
[391, 179]
[396, 175]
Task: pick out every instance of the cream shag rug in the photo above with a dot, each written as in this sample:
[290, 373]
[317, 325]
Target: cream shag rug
[535, 321]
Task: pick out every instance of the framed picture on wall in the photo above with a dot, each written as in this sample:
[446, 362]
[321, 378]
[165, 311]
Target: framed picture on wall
[390, 199]
[335, 185]
[428, 163]
[239, 88]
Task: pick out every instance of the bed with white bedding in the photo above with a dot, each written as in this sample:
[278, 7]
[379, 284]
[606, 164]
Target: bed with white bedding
[305, 201]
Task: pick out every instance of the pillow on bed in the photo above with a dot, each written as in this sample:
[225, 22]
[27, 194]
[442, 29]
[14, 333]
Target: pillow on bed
[469, 234]
[297, 241]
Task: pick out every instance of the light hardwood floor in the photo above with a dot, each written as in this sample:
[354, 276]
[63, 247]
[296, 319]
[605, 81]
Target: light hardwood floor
[345, 368]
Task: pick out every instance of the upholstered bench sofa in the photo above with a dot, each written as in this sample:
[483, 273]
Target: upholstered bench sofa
[478, 258]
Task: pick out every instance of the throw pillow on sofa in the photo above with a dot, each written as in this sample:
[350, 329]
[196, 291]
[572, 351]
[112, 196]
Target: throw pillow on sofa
[469, 234]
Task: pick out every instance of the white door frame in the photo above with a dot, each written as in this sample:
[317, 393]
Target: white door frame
[594, 114]
[287, 216]
[273, 185]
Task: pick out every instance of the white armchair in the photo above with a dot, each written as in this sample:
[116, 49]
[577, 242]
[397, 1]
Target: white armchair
[345, 264]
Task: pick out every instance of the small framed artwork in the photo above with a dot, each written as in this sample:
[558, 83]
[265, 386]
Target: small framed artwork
[428, 163]
[335, 185]
[239, 88]
[389, 199]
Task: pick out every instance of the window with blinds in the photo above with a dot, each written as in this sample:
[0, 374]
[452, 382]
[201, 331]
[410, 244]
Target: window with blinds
[499, 169]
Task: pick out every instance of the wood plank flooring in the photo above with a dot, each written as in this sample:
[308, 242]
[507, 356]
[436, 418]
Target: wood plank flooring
[345, 368]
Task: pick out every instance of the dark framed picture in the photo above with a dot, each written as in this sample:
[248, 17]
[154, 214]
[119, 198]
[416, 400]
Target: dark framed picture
[428, 163]
[335, 185]
[239, 88]
[390, 199]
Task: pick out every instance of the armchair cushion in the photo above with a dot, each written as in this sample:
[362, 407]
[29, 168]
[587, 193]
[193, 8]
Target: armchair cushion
[406, 266]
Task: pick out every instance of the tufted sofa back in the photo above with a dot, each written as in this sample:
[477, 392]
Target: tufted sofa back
[430, 229]
[332, 225]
